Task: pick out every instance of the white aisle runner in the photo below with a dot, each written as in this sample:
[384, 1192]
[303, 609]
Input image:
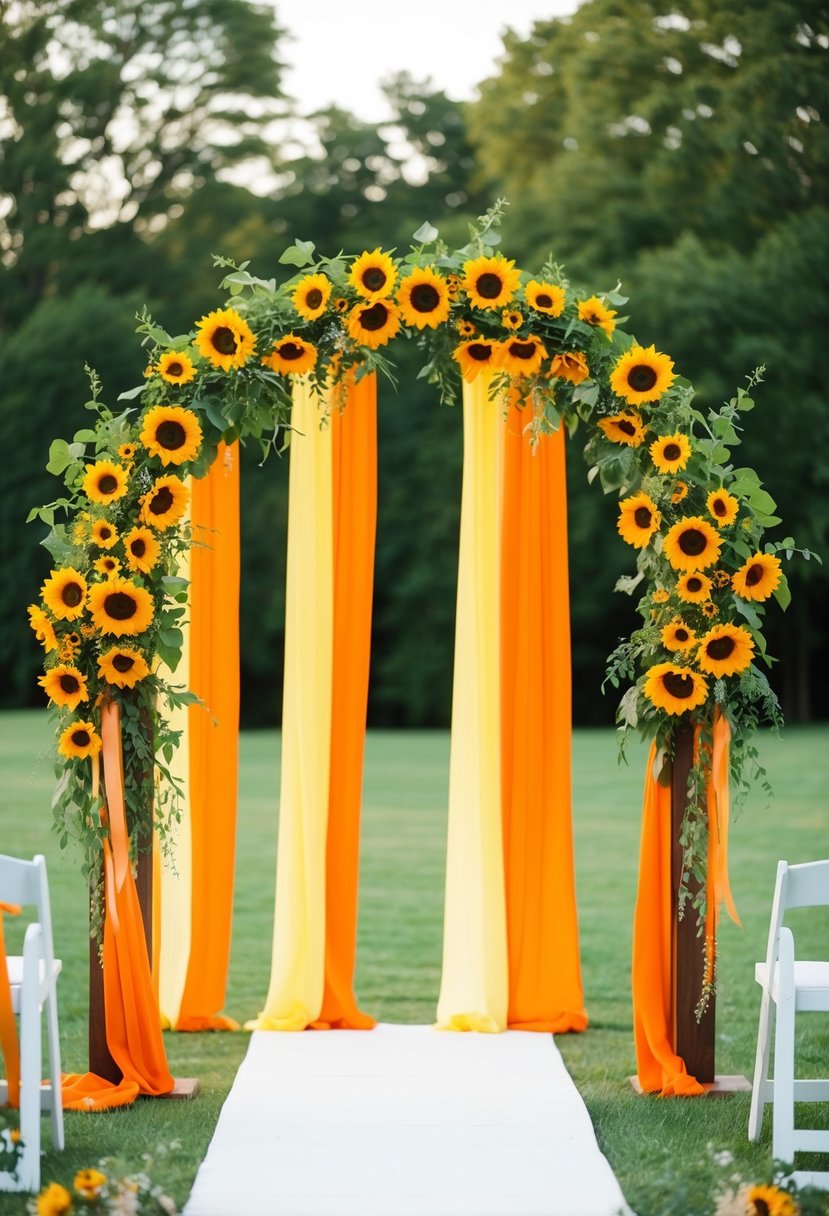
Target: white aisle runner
[404, 1121]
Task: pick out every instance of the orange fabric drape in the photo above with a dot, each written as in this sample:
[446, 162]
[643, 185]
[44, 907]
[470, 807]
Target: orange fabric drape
[545, 984]
[354, 502]
[659, 1068]
[9, 1042]
[213, 738]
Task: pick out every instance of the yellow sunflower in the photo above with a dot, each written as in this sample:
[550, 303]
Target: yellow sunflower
[142, 549]
[373, 275]
[465, 328]
[522, 356]
[76, 743]
[171, 433]
[490, 282]
[122, 665]
[694, 587]
[165, 504]
[670, 453]
[104, 482]
[119, 607]
[638, 520]
[88, 1183]
[692, 544]
[769, 1201]
[291, 356]
[511, 319]
[721, 578]
[65, 685]
[758, 577]
[423, 298]
[311, 296]
[545, 297]
[680, 491]
[569, 365]
[674, 689]
[340, 304]
[70, 644]
[225, 338]
[725, 650]
[724, 507]
[375, 324]
[43, 628]
[709, 609]
[624, 427]
[661, 596]
[104, 534]
[126, 452]
[594, 312]
[108, 565]
[642, 375]
[475, 355]
[678, 636]
[176, 367]
[64, 593]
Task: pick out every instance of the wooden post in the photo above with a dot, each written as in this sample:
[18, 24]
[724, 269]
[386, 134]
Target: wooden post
[100, 1059]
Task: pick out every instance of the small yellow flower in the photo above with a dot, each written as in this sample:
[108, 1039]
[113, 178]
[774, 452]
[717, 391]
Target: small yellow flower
[88, 1183]
[569, 365]
[661, 596]
[680, 491]
[465, 328]
[53, 1200]
[595, 313]
[510, 319]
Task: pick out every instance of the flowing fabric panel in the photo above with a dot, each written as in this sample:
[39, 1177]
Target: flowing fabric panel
[474, 984]
[295, 994]
[9, 1042]
[213, 735]
[545, 985]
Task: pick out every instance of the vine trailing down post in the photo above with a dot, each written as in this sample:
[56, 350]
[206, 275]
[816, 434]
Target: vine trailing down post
[110, 613]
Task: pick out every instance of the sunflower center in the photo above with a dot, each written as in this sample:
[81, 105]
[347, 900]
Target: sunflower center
[672, 451]
[479, 351]
[138, 547]
[81, 738]
[489, 286]
[720, 648]
[120, 606]
[522, 350]
[754, 575]
[171, 435]
[643, 517]
[425, 297]
[69, 684]
[592, 318]
[107, 483]
[224, 340]
[677, 685]
[681, 635]
[71, 595]
[161, 501]
[694, 585]
[375, 317]
[104, 532]
[719, 506]
[641, 378]
[314, 298]
[761, 1208]
[692, 542]
[123, 662]
[374, 279]
[542, 300]
[175, 368]
[627, 428]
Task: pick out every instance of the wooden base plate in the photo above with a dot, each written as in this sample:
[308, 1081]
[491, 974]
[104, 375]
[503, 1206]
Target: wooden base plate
[183, 1087]
[723, 1086]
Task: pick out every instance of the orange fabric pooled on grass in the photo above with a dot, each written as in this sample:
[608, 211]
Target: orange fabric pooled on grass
[545, 984]
[9, 1042]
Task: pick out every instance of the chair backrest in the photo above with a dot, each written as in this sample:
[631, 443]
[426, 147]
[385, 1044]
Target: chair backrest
[25, 882]
[802, 886]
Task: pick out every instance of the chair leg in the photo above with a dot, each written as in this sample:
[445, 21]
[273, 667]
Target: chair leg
[783, 1107]
[54, 1069]
[761, 1070]
[28, 1168]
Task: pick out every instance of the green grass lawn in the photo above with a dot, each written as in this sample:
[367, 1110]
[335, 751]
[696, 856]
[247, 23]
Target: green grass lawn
[661, 1150]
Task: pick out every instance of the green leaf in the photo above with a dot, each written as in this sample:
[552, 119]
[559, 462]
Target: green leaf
[214, 413]
[762, 501]
[60, 457]
[301, 253]
[426, 234]
[782, 593]
[85, 436]
[131, 393]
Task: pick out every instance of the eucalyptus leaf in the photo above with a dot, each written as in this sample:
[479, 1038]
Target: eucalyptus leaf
[301, 253]
[426, 234]
[131, 393]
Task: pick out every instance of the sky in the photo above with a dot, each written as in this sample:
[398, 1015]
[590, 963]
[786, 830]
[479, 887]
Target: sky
[341, 49]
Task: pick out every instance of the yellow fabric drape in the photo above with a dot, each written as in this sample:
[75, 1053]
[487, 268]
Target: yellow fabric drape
[474, 984]
[295, 994]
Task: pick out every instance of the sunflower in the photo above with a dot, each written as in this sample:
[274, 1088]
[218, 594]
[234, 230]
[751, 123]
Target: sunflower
[475, 355]
[454, 284]
[423, 297]
[709, 609]
[70, 644]
[661, 596]
[120, 607]
[641, 375]
[373, 275]
[64, 592]
[374, 324]
[758, 577]
[692, 544]
[723, 507]
[142, 549]
[595, 313]
[104, 482]
[465, 328]
[678, 636]
[43, 628]
[176, 367]
[694, 587]
[624, 427]
[721, 578]
[291, 356]
[65, 685]
[569, 365]
[126, 452]
[725, 650]
[165, 504]
[674, 689]
[769, 1201]
[340, 304]
[545, 297]
[490, 282]
[104, 534]
[108, 565]
[123, 666]
[670, 453]
[680, 491]
[638, 520]
[171, 433]
[225, 338]
[522, 356]
[88, 1183]
[311, 296]
[511, 319]
[79, 741]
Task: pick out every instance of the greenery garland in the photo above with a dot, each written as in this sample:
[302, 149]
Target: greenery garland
[111, 611]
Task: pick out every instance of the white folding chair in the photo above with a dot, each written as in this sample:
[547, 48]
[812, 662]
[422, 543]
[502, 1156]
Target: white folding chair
[32, 978]
[793, 987]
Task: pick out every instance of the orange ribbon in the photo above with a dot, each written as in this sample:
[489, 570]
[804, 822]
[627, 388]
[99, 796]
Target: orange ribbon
[9, 1042]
